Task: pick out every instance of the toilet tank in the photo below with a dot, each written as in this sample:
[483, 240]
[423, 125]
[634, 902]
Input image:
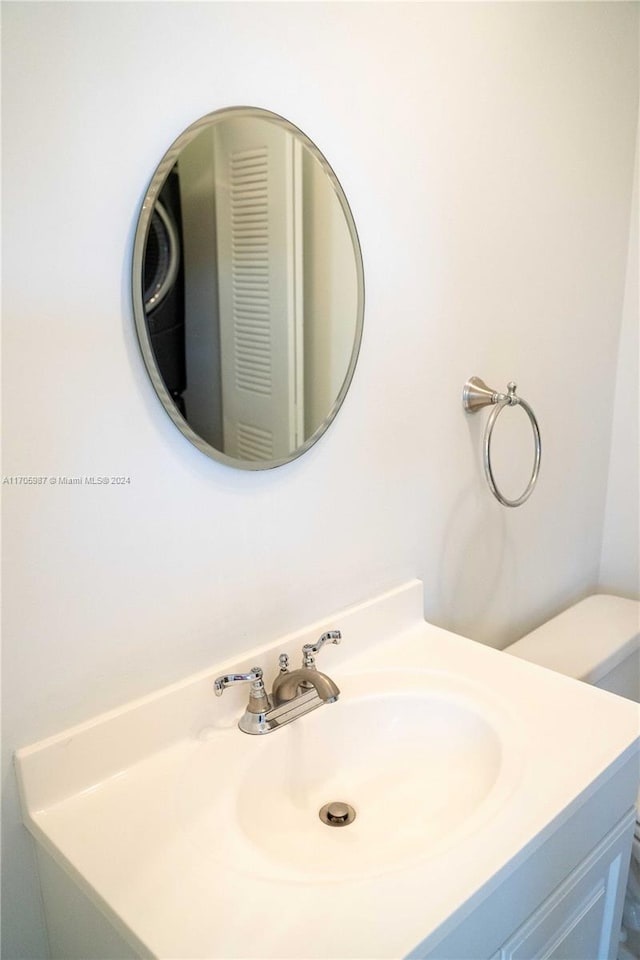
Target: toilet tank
[596, 640]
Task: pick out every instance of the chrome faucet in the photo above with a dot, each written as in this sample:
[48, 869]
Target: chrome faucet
[294, 692]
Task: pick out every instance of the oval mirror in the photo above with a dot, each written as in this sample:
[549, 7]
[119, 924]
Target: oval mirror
[248, 288]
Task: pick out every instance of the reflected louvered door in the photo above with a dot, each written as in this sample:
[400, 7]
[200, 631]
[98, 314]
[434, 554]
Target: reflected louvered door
[260, 298]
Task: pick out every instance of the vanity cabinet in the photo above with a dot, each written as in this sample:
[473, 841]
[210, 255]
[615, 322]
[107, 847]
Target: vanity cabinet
[578, 920]
[515, 843]
[561, 903]
[581, 917]
[76, 928]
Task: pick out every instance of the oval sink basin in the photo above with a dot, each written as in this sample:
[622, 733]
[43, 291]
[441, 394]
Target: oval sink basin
[417, 757]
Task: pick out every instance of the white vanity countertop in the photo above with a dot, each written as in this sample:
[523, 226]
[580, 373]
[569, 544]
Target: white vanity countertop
[130, 804]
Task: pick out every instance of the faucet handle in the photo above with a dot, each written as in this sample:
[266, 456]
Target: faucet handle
[283, 662]
[254, 676]
[311, 649]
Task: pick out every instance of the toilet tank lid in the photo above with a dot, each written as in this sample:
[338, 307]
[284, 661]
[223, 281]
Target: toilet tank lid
[587, 640]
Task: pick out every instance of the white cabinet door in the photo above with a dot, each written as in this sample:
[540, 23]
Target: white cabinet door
[562, 903]
[580, 920]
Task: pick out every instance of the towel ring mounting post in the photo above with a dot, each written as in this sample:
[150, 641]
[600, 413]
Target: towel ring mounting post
[476, 395]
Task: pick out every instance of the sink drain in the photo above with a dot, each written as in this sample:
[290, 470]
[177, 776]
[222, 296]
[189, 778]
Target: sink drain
[337, 814]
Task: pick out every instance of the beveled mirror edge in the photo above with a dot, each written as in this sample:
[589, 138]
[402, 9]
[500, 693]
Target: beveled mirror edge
[151, 195]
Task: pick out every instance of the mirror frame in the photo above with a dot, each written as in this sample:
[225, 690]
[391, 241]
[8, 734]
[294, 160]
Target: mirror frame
[142, 228]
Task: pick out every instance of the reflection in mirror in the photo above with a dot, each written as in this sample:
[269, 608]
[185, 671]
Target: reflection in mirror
[248, 288]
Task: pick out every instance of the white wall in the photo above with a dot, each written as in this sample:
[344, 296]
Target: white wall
[620, 563]
[486, 151]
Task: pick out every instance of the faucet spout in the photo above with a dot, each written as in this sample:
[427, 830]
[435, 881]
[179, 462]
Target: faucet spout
[286, 685]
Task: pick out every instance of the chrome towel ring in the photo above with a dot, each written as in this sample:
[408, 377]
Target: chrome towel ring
[475, 395]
